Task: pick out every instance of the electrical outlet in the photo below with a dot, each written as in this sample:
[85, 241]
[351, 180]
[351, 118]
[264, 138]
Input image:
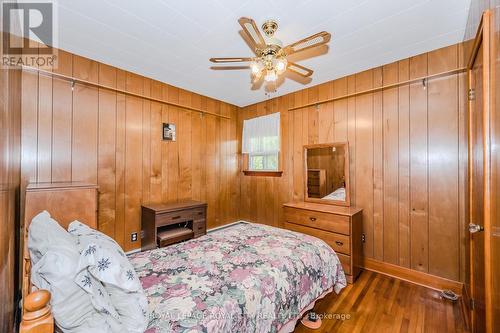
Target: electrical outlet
[142, 234]
[133, 237]
[363, 238]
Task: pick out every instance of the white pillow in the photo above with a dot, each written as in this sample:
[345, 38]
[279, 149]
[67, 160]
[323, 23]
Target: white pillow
[104, 258]
[107, 262]
[55, 270]
[43, 232]
[71, 305]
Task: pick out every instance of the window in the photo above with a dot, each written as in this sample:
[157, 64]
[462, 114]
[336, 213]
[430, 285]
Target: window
[261, 143]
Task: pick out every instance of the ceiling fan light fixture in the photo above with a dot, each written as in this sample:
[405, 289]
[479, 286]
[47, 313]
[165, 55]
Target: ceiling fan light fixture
[271, 76]
[270, 60]
[256, 67]
[280, 66]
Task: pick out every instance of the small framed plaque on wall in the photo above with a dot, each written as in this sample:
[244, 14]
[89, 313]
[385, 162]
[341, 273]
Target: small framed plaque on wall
[168, 132]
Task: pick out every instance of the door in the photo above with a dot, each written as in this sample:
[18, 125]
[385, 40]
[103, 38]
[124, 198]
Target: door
[476, 170]
[484, 179]
[494, 152]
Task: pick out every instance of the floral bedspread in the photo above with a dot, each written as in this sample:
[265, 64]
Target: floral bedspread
[244, 278]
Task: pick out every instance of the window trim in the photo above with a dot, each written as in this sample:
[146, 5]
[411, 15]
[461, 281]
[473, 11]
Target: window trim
[263, 173]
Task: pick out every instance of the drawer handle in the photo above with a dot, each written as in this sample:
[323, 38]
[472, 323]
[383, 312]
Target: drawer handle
[339, 243]
[312, 219]
[176, 217]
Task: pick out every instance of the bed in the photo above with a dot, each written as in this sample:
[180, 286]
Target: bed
[338, 195]
[245, 278]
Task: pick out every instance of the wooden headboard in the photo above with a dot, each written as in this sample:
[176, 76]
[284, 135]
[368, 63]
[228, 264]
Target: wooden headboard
[65, 202]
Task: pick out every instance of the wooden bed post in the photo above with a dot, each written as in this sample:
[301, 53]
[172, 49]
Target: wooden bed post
[37, 317]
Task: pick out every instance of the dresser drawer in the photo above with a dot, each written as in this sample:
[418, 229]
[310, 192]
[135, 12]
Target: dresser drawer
[173, 217]
[338, 242]
[313, 181]
[198, 213]
[199, 228]
[313, 189]
[346, 263]
[318, 220]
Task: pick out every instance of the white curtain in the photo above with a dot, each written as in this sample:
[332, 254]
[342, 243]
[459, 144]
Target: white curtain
[261, 135]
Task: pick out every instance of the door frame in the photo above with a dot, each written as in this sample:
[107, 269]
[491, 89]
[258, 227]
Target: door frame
[484, 38]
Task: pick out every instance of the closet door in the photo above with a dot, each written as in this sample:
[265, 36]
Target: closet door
[495, 171]
[476, 170]
[484, 164]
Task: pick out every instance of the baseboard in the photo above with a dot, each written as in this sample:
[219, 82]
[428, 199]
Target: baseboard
[410, 275]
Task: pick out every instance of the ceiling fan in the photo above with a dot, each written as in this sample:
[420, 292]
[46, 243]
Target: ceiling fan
[270, 59]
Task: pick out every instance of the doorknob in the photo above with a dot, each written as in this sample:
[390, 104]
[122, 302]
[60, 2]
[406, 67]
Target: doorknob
[473, 228]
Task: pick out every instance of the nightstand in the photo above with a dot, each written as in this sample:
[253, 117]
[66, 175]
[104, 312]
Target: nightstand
[169, 223]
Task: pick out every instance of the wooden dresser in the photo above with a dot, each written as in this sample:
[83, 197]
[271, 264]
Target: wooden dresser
[161, 219]
[340, 227]
[316, 183]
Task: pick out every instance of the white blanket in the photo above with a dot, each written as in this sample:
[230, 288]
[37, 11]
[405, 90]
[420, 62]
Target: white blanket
[338, 194]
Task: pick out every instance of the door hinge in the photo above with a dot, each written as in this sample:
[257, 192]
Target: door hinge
[472, 305]
[472, 94]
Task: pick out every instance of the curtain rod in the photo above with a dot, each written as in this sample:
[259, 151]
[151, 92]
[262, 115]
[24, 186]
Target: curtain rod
[393, 85]
[121, 91]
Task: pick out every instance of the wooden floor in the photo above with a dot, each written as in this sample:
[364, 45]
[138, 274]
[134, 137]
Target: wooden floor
[378, 303]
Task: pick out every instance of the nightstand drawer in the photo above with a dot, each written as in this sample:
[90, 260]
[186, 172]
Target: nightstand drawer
[338, 242]
[319, 220]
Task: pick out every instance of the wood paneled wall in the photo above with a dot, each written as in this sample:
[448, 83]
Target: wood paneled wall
[408, 159]
[10, 104]
[408, 154]
[96, 135]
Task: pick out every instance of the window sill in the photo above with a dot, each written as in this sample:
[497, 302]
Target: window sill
[263, 173]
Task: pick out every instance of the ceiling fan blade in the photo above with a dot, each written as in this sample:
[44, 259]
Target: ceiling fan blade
[309, 42]
[257, 83]
[300, 70]
[224, 60]
[226, 68]
[253, 33]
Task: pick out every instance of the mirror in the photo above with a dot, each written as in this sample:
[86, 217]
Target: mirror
[327, 173]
